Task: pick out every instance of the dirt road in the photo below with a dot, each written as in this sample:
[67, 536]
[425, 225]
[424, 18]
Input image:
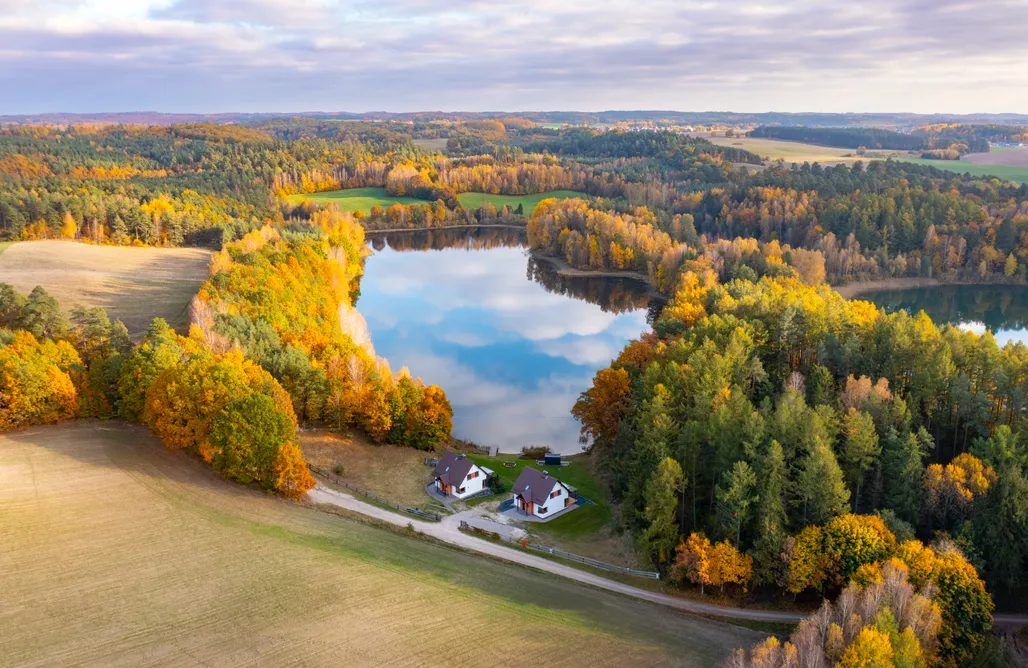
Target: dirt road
[449, 532]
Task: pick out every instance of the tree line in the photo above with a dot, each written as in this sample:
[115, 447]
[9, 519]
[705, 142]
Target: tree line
[768, 415]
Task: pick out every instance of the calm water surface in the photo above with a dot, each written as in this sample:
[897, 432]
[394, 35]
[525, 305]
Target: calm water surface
[511, 342]
[1001, 309]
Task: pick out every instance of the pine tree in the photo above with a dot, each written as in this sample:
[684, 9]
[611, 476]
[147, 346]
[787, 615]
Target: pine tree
[735, 497]
[660, 536]
[820, 487]
[860, 450]
[771, 518]
[903, 473]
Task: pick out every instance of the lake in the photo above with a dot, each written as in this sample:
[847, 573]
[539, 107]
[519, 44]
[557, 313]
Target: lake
[512, 342]
[1000, 308]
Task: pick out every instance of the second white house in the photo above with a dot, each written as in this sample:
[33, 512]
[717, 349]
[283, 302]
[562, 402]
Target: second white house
[540, 494]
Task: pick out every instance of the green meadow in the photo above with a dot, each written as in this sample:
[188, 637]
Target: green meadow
[1002, 172]
[475, 200]
[356, 199]
[362, 199]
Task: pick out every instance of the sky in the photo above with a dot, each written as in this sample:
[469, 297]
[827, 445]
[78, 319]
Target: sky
[920, 56]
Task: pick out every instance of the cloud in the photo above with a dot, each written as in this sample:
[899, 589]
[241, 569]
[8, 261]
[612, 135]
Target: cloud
[279, 55]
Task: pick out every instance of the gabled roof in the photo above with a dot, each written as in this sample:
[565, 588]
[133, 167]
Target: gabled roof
[535, 486]
[452, 468]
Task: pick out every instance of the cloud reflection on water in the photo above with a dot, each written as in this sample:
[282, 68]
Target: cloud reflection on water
[511, 355]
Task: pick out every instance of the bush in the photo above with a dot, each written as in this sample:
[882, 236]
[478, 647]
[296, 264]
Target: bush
[339, 470]
[534, 451]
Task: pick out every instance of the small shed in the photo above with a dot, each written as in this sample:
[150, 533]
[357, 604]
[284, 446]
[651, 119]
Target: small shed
[551, 459]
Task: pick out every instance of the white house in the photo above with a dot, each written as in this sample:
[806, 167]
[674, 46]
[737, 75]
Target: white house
[540, 494]
[458, 476]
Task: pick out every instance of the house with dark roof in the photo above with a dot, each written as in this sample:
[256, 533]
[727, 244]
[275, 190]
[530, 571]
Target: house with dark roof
[540, 494]
[456, 475]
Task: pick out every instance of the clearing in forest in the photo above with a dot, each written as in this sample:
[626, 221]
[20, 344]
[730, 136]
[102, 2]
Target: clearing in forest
[789, 151]
[352, 200]
[362, 199]
[134, 284]
[528, 202]
[120, 552]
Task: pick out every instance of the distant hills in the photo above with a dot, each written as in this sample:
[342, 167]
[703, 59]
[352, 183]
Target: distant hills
[899, 121]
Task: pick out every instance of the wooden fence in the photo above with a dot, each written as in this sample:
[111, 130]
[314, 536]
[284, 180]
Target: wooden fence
[336, 480]
[557, 552]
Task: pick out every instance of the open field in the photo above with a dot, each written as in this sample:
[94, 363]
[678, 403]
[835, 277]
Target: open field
[475, 200]
[1002, 172]
[438, 144]
[393, 472]
[118, 552]
[362, 199]
[789, 151]
[1008, 157]
[133, 284]
[356, 199]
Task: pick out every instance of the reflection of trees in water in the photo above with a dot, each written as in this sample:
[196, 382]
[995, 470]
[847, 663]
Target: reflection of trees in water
[468, 238]
[999, 307]
[613, 295]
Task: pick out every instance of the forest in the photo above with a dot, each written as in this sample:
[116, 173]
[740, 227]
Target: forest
[767, 435]
[817, 439]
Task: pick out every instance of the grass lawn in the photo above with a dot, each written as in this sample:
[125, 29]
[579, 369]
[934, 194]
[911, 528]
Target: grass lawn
[475, 200]
[393, 472]
[119, 552]
[580, 523]
[135, 285]
[356, 199]
[1002, 172]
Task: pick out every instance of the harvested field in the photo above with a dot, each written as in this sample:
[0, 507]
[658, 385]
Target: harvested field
[1008, 157]
[393, 472]
[118, 552]
[789, 151]
[135, 285]
[432, 144]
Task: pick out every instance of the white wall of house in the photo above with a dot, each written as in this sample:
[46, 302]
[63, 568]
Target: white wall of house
[555, 502]
[473, 483]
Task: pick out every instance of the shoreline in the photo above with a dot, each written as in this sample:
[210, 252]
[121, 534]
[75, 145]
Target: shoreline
[857, 288]
[391, 230]
[565, 269]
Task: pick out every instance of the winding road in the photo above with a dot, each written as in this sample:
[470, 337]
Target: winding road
[448, 531]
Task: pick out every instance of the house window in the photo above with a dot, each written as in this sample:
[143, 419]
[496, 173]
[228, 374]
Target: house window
[461, 490]
[555, 494]
[541, 510]
[472, 476]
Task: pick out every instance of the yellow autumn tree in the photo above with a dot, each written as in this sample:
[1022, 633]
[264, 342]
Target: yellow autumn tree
[692, 561]
[950, 489]
[871, 649]
[69, 229]
[727, 565]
